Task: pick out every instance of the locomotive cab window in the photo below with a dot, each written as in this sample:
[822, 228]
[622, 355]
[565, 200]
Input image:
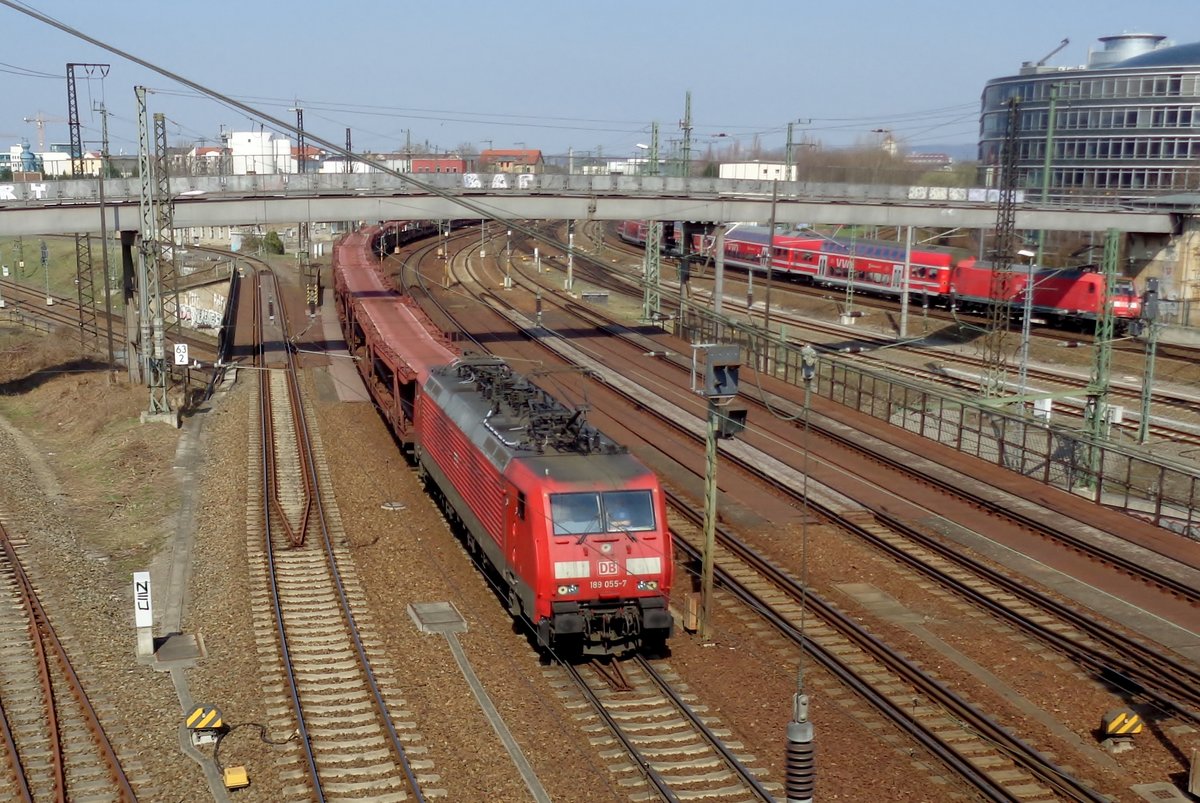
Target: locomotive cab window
[610, 512]
[628, 511]
[575, 514]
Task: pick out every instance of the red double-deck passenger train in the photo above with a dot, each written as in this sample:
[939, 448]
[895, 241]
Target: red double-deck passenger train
[572, 525]
[937, 275]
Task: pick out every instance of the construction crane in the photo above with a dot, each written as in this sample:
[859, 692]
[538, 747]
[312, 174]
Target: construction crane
[1047, 57]
[40, 120]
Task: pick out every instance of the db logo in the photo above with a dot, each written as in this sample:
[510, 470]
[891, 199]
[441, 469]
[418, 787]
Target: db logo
[607, 567]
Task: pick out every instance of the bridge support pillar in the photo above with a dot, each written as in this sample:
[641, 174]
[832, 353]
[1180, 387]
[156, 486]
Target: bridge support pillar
[1176, 264]
[129, 293]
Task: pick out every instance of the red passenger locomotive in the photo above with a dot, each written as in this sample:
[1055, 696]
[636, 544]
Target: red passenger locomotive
[574, 526]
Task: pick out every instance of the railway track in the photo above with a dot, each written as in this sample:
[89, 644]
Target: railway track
[1139, 669]
[334, 690]
[899, 464]
[938, 312]
[1090, 643]
[1014, 771]
[28, 305]
[1168, 404]
[52, 743]
[660, 744]
[659, 741]
[976, 747]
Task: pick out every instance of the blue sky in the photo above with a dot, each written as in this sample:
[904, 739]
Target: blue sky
[556, 74]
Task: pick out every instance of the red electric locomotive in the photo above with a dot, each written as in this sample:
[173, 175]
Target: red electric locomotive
[573, 525]
[1065, 297]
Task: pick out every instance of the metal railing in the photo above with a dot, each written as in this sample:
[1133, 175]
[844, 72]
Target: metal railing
[1145, 486]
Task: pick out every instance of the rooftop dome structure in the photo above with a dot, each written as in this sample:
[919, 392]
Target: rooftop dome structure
[1177, 56]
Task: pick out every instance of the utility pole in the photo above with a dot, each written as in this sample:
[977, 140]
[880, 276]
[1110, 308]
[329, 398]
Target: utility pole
[112, 363]
[508, 260]
[151, 341]
[788, 159]
[904, 282]
[222, 164]
[569, 285]
[769, 260]
[686, 124]
[1150, 318]
[995, 363]
[652, 257]
[787, 153]
[1047, 159]
[168, 277]
[85, 275]
[1096, 410]
[306, 267]
[1028, 290]
[349, 149]
[719, 277]
[800, 774]
[300, 142]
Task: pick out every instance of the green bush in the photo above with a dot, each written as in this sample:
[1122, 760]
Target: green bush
[272, 244]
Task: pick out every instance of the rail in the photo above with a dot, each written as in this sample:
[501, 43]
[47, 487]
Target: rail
[47, 647]
[1148, 487]
[313, 514]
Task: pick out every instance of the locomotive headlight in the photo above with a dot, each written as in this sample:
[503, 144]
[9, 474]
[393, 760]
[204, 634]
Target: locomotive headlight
[564, 590]
[647, 585]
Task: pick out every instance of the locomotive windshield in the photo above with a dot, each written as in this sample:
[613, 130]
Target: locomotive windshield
[609, 512]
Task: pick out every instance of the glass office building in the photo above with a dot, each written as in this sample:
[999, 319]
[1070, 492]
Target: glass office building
[1125, 125]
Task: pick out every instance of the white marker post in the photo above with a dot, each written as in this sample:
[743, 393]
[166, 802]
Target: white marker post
[143, 614]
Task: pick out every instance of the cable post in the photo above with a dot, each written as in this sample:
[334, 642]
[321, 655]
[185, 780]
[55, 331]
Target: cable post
[800, 771]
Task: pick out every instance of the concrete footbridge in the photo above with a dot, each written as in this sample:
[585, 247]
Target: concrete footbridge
[73, 206]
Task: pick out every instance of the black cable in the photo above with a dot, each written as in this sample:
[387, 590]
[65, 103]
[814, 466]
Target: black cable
[262, 735]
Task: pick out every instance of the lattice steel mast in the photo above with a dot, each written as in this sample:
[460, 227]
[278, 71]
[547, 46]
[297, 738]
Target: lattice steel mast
[1097, 392]
[85, 275]
[685, 168]
[993, 377]
[151, 341]
[652, 263]
[164, 208]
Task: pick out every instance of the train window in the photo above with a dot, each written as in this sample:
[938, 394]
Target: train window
[521, 505]
[628, 511]
[575, 513]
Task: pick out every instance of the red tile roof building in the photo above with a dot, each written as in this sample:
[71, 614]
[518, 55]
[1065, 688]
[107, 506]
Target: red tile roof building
[512, 161]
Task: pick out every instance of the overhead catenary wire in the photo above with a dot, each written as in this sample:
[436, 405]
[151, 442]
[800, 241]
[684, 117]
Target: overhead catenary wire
[479, 209]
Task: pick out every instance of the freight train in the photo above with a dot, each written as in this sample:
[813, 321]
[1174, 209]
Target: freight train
[937, 275]
[571, 524]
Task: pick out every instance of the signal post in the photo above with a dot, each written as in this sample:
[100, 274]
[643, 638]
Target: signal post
[721, 366]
